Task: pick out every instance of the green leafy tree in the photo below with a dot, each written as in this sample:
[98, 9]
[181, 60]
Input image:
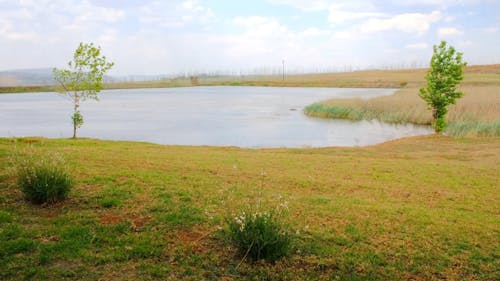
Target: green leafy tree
[83, 78]
[445, 74]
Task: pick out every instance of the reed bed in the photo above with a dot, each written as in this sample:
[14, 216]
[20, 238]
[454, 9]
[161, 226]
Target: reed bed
[476, 114]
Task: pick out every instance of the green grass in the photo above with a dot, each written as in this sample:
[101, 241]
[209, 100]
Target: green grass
[465, 128]
[344, 112]
[260, 234]
[26, 89]
[422, 208]
[43, 181]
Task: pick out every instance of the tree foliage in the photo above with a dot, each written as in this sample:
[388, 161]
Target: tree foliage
[445, 74]
[83, 78]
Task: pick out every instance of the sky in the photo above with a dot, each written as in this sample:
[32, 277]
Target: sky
[241, 36]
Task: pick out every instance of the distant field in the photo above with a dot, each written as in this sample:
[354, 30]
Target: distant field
[475, 75]
[422, 208]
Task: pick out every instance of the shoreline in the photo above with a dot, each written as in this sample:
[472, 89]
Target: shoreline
[36, 139]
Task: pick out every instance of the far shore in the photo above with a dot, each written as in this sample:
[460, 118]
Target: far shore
[408, 78]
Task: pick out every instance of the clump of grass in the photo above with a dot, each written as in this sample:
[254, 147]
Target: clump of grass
[473, 128]
[5, 217]
[338, 112]
[260, 235]
[43, 180]
[109, 202]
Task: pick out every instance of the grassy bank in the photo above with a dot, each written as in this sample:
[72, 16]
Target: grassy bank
[475, 75]
[423, 208]
[26, 89]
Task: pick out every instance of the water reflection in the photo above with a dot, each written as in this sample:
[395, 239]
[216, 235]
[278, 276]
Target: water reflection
[222, 116]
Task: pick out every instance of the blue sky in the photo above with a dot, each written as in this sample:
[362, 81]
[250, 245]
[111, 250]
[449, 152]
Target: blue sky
[176, 36]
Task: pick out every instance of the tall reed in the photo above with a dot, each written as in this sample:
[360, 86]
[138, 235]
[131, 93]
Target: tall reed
[476, 114]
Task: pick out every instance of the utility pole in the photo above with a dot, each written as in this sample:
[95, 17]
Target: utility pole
[283, 70]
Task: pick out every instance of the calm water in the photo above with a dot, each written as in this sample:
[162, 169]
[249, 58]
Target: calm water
[222, 116]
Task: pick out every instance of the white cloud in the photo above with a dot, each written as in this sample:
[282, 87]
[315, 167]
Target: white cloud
[449, 31]
[171, 36]
[345, 34]
[492, 29]
[337, 14]
[55, 18]
[417, 46]
[86, 13]
[175, 13]
[17, 36]
[449, 19]
[261, 27]
[411, 22]
[255, 21]
[194, 11]
[465, 43]
[307, 6]
[371, 5]
[83, 12]
[7, 32]
[443, 4]
[313, 32]
[261, 35]
[109, 36]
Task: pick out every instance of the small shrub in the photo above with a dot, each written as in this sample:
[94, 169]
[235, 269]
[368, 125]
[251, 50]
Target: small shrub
[44, 180]
[260, 235]
[10, 232]
[109, 202]
[5, 217]
[12, 247]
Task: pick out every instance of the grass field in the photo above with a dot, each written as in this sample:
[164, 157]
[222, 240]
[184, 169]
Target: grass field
[424, 208]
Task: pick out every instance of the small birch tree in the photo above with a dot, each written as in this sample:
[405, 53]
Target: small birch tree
[83, 78]
[445, 74]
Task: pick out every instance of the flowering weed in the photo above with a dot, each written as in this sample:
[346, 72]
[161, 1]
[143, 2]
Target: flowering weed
[260, 235]
[43, 180]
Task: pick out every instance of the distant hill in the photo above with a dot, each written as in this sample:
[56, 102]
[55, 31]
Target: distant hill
[34, 77]
[26, 77]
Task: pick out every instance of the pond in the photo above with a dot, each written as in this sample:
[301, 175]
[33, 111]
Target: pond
[255, 117]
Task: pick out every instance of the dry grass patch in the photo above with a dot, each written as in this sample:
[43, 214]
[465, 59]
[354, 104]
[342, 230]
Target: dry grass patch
[476, 114]
[474, 75]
